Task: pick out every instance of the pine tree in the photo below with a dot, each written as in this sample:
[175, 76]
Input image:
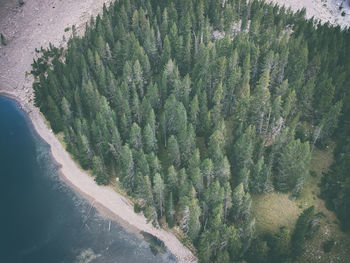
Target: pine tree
[207, 169]
[187, 143]
[149, 139]
[172, 181]
[135, 137]
[127, 167]
[260, 101]
[222, 170]
[152, 95]
[281, 246]
[173, 151]
[66, 111]
[154, 163]
[197, 180]
[260, 181]
[138, 78]
[241, 203]
[158, 190]
[170, 211]
[227, 200]
[194, 111]
[216, 146]
[216, 111]
[166, 52]
[194, 222]
[54, 116]
[247, 234]
[150, 211]
[85, 152]
[293, 167]
[115, 143]
[242, 152]
[301, 231]
[141, 163]
[99, 171]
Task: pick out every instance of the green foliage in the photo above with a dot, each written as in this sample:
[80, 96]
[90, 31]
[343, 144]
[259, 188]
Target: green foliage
[158, 192]
[293, 167]
[328, 245]
[3, 39]
[304, 229]
[193, 113]
[335, 185]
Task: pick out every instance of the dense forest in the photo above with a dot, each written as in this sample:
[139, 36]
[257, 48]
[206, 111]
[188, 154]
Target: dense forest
[195, 105]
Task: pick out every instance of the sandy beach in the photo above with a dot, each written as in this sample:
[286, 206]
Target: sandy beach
[31, 26]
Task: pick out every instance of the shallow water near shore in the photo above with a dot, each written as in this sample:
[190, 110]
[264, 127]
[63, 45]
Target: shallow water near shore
[41, 218]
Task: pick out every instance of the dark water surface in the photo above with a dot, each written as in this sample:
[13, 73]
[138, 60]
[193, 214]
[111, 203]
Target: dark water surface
[43, 220]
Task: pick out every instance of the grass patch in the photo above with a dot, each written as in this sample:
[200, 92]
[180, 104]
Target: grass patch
[274, 210]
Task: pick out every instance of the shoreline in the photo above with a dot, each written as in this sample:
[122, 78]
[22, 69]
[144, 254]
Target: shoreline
[27, 31]
[118, 208]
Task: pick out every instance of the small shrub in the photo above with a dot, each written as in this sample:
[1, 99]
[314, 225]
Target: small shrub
[343, 13]
[66, 29]
[328, 245]
[137, 208]
[3, 39]
[20, 2]
[320, 215]
[313, 173]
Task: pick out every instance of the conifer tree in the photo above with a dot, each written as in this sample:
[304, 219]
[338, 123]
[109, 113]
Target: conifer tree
[301, 231]
[54, 115]
[207, 169]
[135, 137]
[260, 180]
[170, 211]
[172, 181]
[293, 166]
[159, 195]
[99, 170]
[194, 222]
[194, 111]
[127, 167]
[242, 153]
[173, 151]
[149, 139]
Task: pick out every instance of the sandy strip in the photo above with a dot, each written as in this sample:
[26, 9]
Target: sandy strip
[34, 25]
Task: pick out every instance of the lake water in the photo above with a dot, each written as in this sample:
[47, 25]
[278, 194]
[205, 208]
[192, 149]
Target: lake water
[41, 218]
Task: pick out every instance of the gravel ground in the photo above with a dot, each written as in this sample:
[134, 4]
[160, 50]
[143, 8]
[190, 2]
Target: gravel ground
[324, 10]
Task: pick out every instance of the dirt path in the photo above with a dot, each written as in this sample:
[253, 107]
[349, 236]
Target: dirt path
[34, 25]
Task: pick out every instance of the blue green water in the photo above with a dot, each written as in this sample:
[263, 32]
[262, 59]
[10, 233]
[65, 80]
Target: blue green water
[42, 219]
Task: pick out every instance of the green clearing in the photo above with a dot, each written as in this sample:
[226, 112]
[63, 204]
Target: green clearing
[275, 210]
